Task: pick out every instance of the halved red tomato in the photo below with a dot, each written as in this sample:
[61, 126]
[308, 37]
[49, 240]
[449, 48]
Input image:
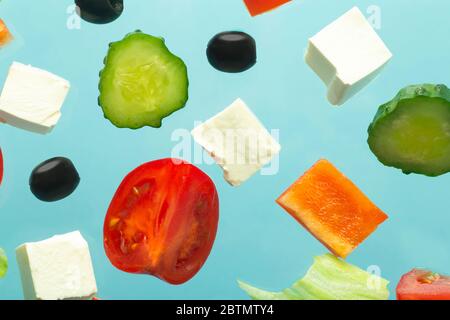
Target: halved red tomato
[162, 221]
[423, 285]
[256, 7]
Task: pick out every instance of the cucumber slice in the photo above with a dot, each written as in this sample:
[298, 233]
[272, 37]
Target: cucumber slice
[142, 82]
[412, 132]
[329, 278]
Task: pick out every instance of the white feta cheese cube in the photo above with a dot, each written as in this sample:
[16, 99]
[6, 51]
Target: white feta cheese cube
[58, 268]
[237, 141]
[347, 55]
[32, 98]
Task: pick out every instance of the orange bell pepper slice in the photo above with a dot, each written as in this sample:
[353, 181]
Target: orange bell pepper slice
[332, 208]
[5, 35]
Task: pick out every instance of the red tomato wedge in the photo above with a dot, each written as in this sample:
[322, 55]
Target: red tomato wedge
[423, 285]
[162, 221]
[256, 7]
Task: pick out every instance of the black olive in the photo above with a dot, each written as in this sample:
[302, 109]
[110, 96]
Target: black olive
[99, 11]
[232, 51]
[54, 179]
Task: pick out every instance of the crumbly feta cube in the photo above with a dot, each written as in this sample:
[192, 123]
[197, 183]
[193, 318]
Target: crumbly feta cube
[237, 141]
[347, 55]
[58, 268]
[32, 98]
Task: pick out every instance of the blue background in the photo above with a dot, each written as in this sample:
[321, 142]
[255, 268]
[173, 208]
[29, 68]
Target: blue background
[257, 241]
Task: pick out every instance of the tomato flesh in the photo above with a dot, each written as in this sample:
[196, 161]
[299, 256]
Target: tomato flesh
[423, 285]
[162, 221]
[256, 7]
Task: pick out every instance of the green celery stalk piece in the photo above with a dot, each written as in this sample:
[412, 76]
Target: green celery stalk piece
[3, 263]
[329, 278]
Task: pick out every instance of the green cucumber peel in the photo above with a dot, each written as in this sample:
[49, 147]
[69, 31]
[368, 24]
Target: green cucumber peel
[142, 82]
[412, 131]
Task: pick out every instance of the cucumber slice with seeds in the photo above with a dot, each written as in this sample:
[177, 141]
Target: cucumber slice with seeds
[412, 132]
[142, 82]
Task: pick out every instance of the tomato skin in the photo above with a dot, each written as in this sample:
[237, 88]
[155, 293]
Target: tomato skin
[162, 221]
[256, 7]
[423, 285]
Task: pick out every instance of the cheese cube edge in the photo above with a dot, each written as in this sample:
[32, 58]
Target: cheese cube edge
[38, 276]
[234, 173]
[37, 111]
[342, 85]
